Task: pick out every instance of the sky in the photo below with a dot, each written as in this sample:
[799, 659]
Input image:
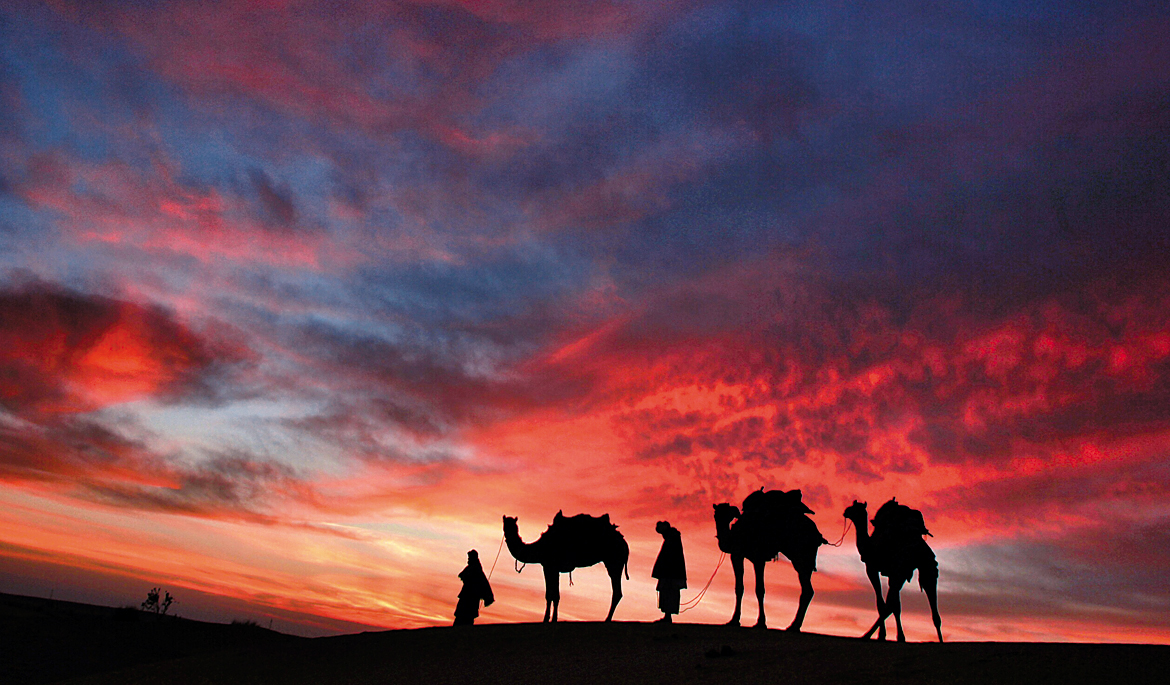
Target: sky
[298, 298]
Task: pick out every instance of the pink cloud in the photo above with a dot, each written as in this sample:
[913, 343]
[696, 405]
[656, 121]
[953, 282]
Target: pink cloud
[118, 207]
[67, 353]
[285, 54]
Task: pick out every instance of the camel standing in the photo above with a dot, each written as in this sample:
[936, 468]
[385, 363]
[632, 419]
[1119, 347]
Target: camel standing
[772, 523]
[569, 543]
[897, 561]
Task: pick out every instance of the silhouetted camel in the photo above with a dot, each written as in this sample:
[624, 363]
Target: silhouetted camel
[895, 555]
[569, 543]
[772, 523]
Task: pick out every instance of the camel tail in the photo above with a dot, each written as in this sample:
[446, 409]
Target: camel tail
[627, 569]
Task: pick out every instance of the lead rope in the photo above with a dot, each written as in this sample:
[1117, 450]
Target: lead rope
[501, 547]
[841, 539]
[694, 601]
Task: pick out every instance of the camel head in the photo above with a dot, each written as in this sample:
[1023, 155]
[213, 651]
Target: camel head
[856, 512]
[511, 528]
[725, 513]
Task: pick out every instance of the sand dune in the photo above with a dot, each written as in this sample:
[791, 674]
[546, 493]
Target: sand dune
[648, 653]
[76, 643]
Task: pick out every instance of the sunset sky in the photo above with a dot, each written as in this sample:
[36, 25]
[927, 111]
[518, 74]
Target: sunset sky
[298, 298]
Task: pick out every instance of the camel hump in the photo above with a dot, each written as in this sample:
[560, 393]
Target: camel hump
[775, 503]
[899, 520]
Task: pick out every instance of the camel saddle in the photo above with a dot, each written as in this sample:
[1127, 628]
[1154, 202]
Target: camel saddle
[775, 503]
[579, 524]
[576, 541]
[897, 530]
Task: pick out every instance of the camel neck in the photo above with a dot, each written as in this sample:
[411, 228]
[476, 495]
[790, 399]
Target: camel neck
[525, 553]
[723, 535]
[862, 529]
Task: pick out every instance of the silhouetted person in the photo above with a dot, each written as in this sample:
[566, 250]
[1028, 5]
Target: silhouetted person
[475, 588]
[670, 568]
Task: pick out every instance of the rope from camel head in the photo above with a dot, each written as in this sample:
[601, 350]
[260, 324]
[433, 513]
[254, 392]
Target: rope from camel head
[844, 532]
[498, 549]
[694, 601]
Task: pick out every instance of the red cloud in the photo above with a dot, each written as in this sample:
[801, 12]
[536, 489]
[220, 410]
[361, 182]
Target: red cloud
[287, 55]
[64, 355]
[65, 352]
[116, 206]
[773, 372]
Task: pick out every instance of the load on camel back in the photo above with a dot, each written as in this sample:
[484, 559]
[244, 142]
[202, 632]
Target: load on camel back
[898, 531]
[784, 510]
[775, 502]
[577, 541]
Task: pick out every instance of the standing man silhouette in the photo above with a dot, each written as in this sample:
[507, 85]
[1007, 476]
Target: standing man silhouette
[670, 568]
[475, 588]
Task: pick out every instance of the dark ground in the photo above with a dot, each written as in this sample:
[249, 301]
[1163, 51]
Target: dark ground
[90, 644]
[46, 641]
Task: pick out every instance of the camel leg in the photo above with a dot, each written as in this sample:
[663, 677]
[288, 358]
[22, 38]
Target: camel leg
[552, 593]
[737, 568]
[928, 579]
[759, 566]
[894, 605]
[806, 595]
[882, 614]
[615, 579]
[875, 579]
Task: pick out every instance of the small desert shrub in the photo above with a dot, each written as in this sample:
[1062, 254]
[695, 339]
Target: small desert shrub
[245, 623]
[155, 603]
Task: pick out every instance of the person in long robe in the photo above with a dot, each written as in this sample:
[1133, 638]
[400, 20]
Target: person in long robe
[475, 589]
[670, 568]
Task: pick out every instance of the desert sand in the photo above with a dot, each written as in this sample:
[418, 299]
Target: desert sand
[648, 653]
[107, 650]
